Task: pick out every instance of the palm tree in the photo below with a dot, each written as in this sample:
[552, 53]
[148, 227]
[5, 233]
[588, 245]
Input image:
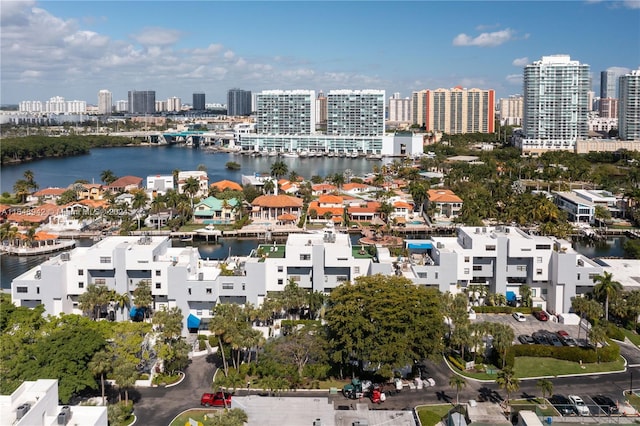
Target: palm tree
[269, 186]
[597, 335]
[191, 187]
[100, 365]
[605, 288]
[108, 177]
[458, 383]
[546, 387]
[279, 169]
[29, 177]
[508, 381]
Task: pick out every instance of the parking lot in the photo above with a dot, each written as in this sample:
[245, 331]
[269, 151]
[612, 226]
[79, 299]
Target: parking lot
[530, 325]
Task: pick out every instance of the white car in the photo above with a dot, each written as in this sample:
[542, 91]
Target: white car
[579, 405]
[519, 316]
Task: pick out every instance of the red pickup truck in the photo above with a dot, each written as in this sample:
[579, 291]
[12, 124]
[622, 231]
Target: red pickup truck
[218, 399]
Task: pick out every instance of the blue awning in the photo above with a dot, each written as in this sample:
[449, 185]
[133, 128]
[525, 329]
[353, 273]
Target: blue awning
[193, 321]
[420, 246]
[133, 312]
[511, 296]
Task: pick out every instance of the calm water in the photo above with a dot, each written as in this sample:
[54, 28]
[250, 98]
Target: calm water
[147, 161]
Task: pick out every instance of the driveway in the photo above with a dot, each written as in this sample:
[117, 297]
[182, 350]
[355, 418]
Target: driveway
[158, 406]
[530, 325]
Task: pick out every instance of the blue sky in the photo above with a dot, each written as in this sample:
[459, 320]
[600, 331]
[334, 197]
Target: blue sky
[75, 48]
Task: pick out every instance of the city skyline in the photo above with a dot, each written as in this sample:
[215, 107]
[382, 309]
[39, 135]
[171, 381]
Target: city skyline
[75, 49]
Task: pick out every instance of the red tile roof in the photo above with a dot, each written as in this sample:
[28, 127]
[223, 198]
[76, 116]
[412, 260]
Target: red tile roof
[227, 184]
[277, 201]
[125, 181]
[443, 196]
[49, 192]
[330, 199]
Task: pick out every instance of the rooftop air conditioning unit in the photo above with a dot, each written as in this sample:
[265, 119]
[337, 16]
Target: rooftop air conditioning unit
[64, 415]
[65, 257]
[200, 276]
[22, 410]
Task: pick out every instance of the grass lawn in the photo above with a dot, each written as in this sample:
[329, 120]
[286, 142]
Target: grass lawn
[635, 338]
[539, 403]
[197, 415]
[533, 367]
[430, 415]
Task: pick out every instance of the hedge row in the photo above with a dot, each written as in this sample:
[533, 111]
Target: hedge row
[615, 332]
[453, 360]
[608, 353]
[501, 309]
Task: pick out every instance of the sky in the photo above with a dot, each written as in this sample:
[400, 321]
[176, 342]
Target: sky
[74, 49]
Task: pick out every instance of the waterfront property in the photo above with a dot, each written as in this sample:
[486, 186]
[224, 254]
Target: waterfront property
[214, 211]
[498, 259]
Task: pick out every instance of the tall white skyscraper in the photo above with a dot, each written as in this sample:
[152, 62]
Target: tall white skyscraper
[174, 104]
[105, 102]
[399, 109]
[511, 110]
[286, 112]
[355, 112]
[629, 106]
[556, 104]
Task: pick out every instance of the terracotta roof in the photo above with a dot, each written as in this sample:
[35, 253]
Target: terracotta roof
[371, 207]
[329, 199]
[94, 203]
[4, 207]
[324, 187]
[443, 196]
[335, 211]
[350, 186]
[277, 201]
[40, 236]
[227, 184]
[287, 217]
[49, 191]
[38, 217]
[402, 204]
[126, 181]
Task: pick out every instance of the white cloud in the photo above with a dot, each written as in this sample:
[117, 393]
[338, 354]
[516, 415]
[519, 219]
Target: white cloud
[632, 4]
[493, 39]
[229, 54]
[520, 62]
[154, 36]
[514, 79]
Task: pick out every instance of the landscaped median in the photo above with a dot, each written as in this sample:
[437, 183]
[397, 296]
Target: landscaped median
[430, 415]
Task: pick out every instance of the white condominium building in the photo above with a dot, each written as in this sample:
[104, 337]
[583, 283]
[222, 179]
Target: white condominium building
[105, 102]
[556, 104]
[511, 110]
[286, 112]
[355, 112]
[399, 109]
[629, 106]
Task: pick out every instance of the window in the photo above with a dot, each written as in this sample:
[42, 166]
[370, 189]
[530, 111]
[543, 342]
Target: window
[199, 312]
[490, 248]
[422, 275]
[158, 273]
[80, 285]
[526, 249]
[280, 281]
[534, 292]
[538, 260]
[578, 277]
[80, 271]
[436, 275]
[305, 256]
[100, 281]
[466, 259]
[37, 290]
[208, 291]
[243, 286]
[465, 271]
[356, 269]
[280, 268]
[227, 286]
[295, 278]
[158, 285]
[21, 290]
[521, 268]
[105, 259]
[342, 278]
[342, 258]
[477, 267]
[189, 290]
[538, 271]
[543, 246]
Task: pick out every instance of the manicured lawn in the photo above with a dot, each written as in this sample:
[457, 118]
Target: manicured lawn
[635, 338]
[430, 415]
[535, 367]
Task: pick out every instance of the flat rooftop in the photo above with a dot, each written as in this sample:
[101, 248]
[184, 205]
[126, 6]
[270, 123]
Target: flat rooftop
[625, 271]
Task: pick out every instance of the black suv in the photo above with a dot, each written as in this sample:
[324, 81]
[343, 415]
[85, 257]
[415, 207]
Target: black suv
[606, 404]
[562, 404]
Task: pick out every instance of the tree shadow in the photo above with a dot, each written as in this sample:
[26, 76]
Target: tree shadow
[488, 395]
[442, 396]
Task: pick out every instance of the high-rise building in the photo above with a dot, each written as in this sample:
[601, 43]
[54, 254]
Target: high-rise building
[198, 102]
[174, 104]
[286, 112]
[609, 83]
[511, 110]
[608, 108]
[399, 109]
[355, 112]
[556, 105]
[458, 110]
[629, 106]
[122, 106]
[238, 102]
[418, 108]
[142, 101]
[105, 102]
[321, 110]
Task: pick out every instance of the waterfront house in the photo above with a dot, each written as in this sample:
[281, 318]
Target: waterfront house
[402, 211]
[323, 188]
[357, 188]
[89, 191]
[212, 210]
[125, 184]
[159, 185]
[327, 207]
[269, 207]
[200, 176]
[445, 203]
[257, 180]
[225, 185]
[366, 211]
[47, 195]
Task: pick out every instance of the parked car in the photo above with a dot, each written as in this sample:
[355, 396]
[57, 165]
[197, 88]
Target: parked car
[218, 399]
[562, 334]
[519, 316]
[570, 341]
[540, 338]
[553, 340]
[579, 405]
[525, 339]
[541, 315]
[606, 404]
[562, 404]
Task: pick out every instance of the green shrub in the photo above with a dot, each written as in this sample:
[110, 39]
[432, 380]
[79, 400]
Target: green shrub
[202, 344]
[202, 337]
[608, 353]
[501, 309]
[119, 414]
[456, 363]
[614, 332]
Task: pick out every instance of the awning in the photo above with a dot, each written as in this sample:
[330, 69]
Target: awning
[420, 246]
[136, 313]
[193, 321]
[511, 296]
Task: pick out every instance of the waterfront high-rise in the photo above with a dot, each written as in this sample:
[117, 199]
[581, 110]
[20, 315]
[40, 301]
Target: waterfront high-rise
[399, 109]
[238, 102]
[142, 101]
[355, 112]
[321, 111]
[418, 108]
[456, 110]
[198, 102]
[511, 110]
[556, 105]
[286, 112]
[105, 102]
[629, 106]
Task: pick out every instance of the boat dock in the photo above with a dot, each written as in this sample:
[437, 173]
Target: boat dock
[35, 251]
